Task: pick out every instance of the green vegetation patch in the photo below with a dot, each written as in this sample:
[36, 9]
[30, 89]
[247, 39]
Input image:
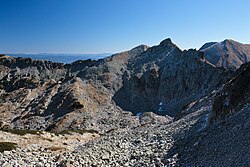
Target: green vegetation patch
[7, 146]
[23, 132]
[82, 131]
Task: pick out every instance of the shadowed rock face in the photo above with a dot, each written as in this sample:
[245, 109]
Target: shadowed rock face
[164, 79]
[234, 95]
[229, 54]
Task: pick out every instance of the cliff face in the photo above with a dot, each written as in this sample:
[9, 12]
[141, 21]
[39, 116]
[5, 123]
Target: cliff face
[164, 79]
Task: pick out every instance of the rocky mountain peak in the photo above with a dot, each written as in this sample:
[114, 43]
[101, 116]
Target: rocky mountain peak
[167, 43]
[228, 44]
[229, 41]
[229, 54]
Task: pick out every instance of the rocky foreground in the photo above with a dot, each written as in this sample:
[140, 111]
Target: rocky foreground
[41, 149]
[145, 145]
[180, 143]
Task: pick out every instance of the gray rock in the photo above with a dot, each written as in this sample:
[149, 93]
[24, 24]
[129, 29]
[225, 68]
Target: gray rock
[6, 164]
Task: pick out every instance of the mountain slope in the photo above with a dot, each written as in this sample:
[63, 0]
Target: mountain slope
[53, 96]
[229, 53]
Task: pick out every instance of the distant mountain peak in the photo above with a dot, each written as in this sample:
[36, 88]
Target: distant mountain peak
[228, 53]
[229, 41]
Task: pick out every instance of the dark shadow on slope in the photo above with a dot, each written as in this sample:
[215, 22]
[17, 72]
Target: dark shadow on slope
[226, 143]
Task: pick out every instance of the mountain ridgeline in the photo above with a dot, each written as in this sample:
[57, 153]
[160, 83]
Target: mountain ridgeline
[92, 94]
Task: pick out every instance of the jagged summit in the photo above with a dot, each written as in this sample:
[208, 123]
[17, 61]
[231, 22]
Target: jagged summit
[228, 41]
[166, 41]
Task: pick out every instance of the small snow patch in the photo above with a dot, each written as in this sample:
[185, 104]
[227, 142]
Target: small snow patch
[138, 114]
[204, 123]
[160, 106]
[169, 52]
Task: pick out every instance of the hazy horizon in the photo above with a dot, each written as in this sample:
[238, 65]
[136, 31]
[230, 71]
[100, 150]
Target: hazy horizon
[55, 53]
[65, 58]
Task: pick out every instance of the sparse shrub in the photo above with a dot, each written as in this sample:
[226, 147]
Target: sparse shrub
[22, 132]
[82, 131]
[56, 148]
[7, 146]
[50, 140]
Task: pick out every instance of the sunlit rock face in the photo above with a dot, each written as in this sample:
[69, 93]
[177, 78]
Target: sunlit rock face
[228, 53]
[54, 96]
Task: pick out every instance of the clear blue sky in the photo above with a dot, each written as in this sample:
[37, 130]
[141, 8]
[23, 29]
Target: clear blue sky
[95, 26]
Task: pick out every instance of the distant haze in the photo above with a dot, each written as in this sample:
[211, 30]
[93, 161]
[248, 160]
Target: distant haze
[62, 58]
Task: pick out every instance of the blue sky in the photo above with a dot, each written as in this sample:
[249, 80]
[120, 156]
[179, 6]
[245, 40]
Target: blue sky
[97, 26]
